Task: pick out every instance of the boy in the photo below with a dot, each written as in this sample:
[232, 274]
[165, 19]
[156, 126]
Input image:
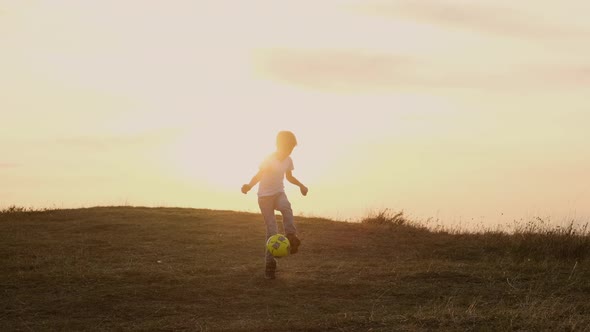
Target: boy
[271, 194]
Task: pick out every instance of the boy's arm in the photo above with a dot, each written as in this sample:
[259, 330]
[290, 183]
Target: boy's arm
[289, 176]
[255, 179]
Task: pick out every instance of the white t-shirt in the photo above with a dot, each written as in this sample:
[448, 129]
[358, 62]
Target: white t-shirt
[271, 182]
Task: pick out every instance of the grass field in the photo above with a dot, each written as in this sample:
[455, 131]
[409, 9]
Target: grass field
[125, 268]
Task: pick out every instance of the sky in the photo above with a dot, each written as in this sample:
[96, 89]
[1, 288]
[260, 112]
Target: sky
[469, 112]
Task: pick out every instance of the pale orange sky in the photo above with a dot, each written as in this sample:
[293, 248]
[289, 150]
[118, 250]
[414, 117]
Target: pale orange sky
[472, 111]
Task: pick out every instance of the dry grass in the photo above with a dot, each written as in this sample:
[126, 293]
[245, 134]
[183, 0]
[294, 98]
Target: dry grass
[125, 268]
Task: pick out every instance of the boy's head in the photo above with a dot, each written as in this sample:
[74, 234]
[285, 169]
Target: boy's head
[286, 141]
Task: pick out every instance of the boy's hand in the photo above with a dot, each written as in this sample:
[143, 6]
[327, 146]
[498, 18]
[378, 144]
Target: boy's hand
[304, 190]
[246, 188]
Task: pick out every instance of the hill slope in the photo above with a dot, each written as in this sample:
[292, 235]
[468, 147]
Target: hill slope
[184, 269]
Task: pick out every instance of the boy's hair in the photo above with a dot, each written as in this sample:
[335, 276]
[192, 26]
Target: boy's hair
[286, 139]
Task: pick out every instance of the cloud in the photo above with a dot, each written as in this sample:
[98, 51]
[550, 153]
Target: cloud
[339, 70]
[353, 71]
[504, 21]
[9, 165]
[109, 142]
[561, 75]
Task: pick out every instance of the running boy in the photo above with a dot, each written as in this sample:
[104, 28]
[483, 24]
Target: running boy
[271, 194]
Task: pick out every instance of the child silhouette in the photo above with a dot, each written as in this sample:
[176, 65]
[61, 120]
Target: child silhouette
[271, 194]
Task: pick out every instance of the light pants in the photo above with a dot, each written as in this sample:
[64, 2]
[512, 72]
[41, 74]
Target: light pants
[268, 205]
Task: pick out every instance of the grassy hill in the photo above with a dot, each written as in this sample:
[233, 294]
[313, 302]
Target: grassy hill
[125, 268]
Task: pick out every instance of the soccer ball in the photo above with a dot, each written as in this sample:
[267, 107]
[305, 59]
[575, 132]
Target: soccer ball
[278, 245]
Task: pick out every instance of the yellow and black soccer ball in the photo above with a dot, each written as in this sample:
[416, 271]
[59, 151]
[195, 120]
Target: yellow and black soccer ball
[278, 245]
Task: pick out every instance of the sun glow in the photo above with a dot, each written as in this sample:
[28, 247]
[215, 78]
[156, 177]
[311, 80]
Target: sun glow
[428, 107]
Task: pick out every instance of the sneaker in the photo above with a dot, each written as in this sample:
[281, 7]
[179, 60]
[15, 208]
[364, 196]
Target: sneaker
[269, 271]
[295, 242]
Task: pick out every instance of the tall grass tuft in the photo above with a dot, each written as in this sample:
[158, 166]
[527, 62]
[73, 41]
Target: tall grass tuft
[537, 239]
[386, 217]
[394, 220]
[13, 209]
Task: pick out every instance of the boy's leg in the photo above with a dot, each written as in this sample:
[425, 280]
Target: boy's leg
[284, 206]
[267, 208]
